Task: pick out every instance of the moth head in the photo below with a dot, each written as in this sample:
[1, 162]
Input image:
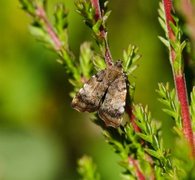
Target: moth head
[118, 64]
[117, 67]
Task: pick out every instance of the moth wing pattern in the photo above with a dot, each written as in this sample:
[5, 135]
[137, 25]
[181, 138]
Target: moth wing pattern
[89, 97]
[113, 106]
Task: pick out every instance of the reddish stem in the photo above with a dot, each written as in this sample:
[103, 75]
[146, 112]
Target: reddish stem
[98, 15]
[183, 99]
[95, 4]
[129, 111]
[179, 79]
[139, 174]
[168, 9]
[40, 12]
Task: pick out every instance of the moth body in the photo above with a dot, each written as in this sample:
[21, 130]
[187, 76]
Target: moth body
[104, 92]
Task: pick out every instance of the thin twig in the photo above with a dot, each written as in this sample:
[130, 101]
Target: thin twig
[98, 15]
[40, 12]
[179, 79]
[139, 174]
[129, 111]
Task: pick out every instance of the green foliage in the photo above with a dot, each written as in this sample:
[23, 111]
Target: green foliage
[127, 145]
[54, 37]
[61, 23]
[130, 59]
[28, 6]
[85, 9]
[86, 55]
[162, 21]
[38, 28]
[99, 62]
[145, 146]
[192, 108]
[97, 23]
[169, 100]
[85, 67]
[153, 144]
[141, 151]
[87, 169]
[176, 45]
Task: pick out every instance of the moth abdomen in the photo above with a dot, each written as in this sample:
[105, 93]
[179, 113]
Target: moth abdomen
[112, 119]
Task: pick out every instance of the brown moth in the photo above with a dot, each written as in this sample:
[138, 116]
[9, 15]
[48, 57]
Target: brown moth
[106, 93]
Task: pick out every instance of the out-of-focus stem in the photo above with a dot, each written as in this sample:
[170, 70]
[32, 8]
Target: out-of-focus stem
[57, 43]
[98, 15]
[139, 174]
[189, 13]
[129, 111]
[96, 5]
[179, 79]
[40, 12]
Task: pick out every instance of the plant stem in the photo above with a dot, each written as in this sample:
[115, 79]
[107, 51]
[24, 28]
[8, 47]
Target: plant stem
[96, 5]
[98, 15]
[139, 174]
[40, 12]
[129, 111]
[109, 62]
[63, 52]
[108, 57]
[179, 79]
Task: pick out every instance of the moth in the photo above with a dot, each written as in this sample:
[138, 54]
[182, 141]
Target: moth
[105, 93]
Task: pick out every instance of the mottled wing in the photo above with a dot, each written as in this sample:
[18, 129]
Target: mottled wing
[89, 97]
[113, 106]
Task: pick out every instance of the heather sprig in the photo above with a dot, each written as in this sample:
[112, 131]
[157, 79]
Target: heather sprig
[87, 169]
[96, 19]
[175, 45]
[172, 107]
[138, 141]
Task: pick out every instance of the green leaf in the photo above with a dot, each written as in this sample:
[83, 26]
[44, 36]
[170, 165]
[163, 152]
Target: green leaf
[162, 18]
[153, 153]
[41, 35]
[96, 27]
[87, 169]
[98, 62]
[60, 15]
[86, 54]
[130, 59]
[169, 100]
[145, 137]
[192, 108]
[155, 142]
[38, 32]
[170, 112]
[85, 9]
[61, 23]
[105, 18]
[28, 6]
[164, 41]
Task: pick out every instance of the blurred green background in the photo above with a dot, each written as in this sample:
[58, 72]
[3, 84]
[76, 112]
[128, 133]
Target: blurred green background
[41, 136]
